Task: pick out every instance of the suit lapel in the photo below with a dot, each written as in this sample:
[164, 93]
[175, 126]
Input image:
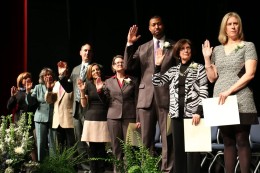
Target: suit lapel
[150, 53]
[116, 84]
[61, 94]
[167, 52]
[77, 69]
[85, 75]
[124, 86]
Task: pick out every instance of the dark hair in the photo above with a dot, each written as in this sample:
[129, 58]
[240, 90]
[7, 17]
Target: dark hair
[89, 71]
[156, 17]
[178, 45]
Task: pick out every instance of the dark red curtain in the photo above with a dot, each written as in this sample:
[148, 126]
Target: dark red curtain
[14, 46]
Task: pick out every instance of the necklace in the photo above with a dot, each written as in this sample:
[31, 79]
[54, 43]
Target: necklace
[185, 72]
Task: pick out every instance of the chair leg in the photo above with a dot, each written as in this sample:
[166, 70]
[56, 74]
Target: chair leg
[207, 156]
[257, 166]
[211, 164]
[213, 161]
[203, 160]
[237, 164]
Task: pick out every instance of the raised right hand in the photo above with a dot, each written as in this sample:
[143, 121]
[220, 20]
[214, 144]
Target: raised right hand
[81, 84]
[62, 67]
[49, 82]
[99, 84]
[159, 56]
[132, 34]
[14, 90]
[28, 85]
[206, 49]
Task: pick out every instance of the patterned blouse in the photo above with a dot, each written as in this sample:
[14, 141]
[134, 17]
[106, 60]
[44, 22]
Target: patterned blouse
[196, 88]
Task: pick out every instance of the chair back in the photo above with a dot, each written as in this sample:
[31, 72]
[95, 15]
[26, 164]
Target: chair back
[157, 133]
[157, 138]
[254, 133]
[214, 134]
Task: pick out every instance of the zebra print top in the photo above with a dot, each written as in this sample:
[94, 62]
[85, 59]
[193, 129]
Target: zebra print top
[196, 88]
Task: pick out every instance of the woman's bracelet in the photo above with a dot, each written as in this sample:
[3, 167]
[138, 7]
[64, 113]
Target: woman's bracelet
[82, 97]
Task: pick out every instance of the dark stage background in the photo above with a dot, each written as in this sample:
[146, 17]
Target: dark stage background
[37, 34]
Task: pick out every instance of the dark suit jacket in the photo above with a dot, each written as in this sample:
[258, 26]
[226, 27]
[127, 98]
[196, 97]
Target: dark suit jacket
[122, 101]
[143, 59]
[17, 105]
[70, 84]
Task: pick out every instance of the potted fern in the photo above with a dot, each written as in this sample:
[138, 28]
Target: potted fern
[65, 160]
[137, 159]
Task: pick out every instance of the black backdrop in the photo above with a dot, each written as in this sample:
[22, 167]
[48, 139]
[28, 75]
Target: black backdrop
[57, 29]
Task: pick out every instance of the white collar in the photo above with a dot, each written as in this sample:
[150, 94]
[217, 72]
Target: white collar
[162, 40]
[84, 64]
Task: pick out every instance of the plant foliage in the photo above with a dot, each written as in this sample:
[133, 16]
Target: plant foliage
[16, 142]
[65, 160]
[136, 159]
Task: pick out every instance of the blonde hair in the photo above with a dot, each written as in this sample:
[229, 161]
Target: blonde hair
[22, 76]
[43, 72]
[222, 36]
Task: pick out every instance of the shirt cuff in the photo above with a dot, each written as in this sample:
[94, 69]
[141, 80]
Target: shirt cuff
[157, 69]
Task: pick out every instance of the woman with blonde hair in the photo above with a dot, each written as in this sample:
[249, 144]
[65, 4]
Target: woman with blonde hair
[231, 66]
[43, 116]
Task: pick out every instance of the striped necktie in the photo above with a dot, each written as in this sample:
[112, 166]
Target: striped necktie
[82, 73]
[83, 77]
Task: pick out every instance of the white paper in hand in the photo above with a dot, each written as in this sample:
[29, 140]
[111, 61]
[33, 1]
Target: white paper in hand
[197, 138]
[219, 115]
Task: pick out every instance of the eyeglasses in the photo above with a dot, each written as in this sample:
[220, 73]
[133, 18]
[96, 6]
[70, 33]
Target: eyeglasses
[184, 48]
[117, 63]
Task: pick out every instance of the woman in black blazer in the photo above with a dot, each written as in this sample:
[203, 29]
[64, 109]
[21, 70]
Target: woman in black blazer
[95, 130]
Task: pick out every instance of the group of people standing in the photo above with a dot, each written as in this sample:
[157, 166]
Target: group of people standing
[231, 65]
[158, 79]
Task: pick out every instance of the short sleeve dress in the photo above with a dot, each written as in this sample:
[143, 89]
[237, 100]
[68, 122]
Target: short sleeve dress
[230, 69]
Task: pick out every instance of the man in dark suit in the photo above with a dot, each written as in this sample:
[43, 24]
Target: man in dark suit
[70, 85]
[153, 103]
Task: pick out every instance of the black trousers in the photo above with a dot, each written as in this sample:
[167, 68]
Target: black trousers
[97, 150]
[184, 162]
